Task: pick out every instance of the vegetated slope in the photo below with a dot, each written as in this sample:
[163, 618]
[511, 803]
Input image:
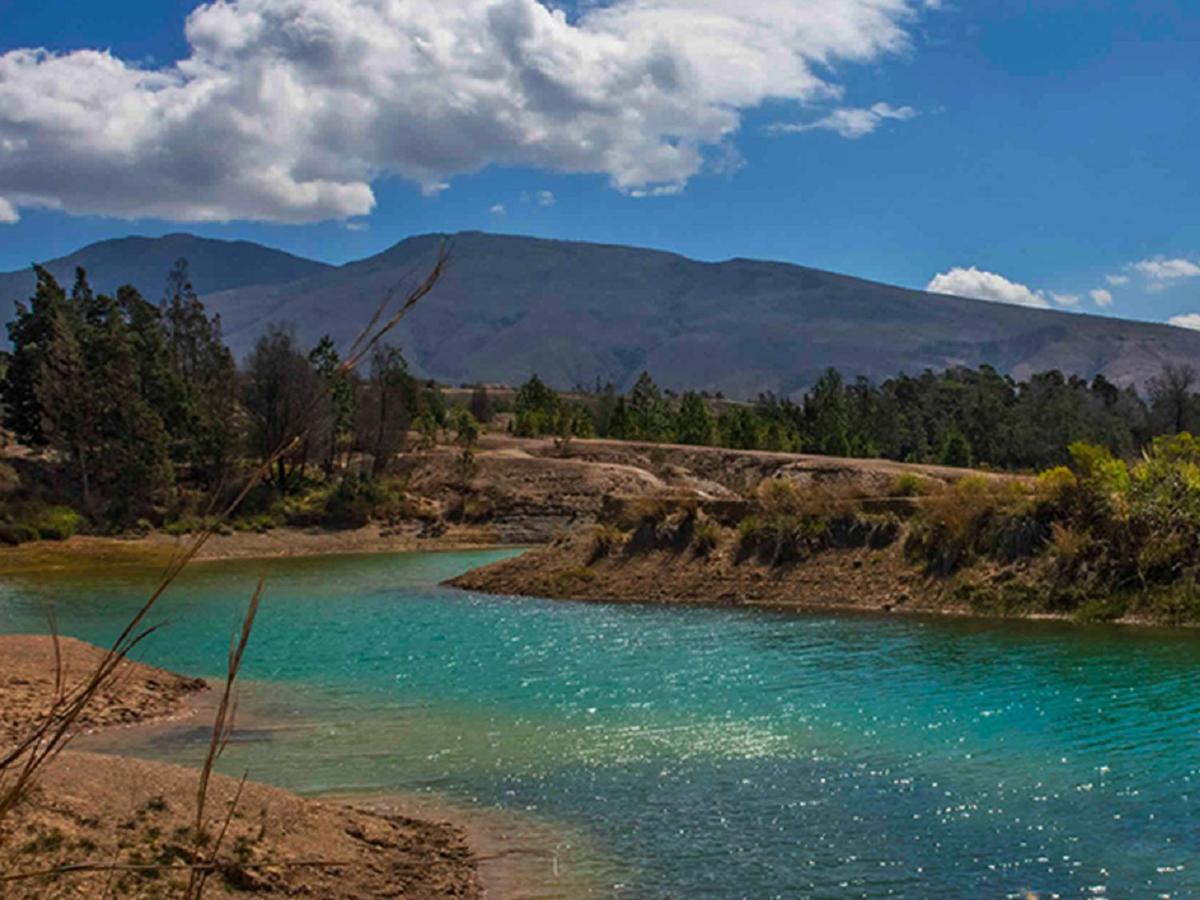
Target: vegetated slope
[144, 262]
[575, 312]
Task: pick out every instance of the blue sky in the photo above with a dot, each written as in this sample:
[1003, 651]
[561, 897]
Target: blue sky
[1025, 152]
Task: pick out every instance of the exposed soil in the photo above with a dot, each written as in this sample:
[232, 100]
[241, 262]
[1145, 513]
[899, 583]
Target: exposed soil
[130, 823]
[137, 692]
[573, 568]
[120, 815]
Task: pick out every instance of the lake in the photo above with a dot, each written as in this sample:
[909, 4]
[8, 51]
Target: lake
[700, 752]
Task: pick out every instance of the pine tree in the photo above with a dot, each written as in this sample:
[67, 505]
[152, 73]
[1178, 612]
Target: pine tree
[695, 423]
[204, 426]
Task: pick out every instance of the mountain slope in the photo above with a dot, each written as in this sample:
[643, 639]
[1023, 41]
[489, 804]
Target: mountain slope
[144, 262]
[573, 312]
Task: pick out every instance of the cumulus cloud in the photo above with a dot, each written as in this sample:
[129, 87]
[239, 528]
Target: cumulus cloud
[287, 110]
[1117, 280]
[849, 122]
[546, 198]
[1101, 297]
[1067, 300]
[8, 213]
[982, 285]
[1191, 320]
[498, 210]
[1161, 269]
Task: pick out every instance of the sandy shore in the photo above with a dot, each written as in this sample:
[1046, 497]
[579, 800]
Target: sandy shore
[84, 552]
[129, 822]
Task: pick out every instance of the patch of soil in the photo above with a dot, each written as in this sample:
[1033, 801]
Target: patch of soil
[136, 693]
[573, 568]
[133, 820]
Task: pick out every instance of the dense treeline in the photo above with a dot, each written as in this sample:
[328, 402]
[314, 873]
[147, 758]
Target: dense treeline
[959, 417]
[150, 418]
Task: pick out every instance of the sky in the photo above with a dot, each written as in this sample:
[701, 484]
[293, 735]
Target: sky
[1043, 153]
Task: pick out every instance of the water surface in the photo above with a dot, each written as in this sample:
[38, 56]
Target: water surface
[703, 752]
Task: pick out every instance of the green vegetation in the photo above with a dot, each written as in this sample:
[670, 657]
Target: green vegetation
[142, 420]
[959, 417]
[1099, 539]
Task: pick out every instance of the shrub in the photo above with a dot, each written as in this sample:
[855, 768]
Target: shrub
[911, 484]
[55, 523]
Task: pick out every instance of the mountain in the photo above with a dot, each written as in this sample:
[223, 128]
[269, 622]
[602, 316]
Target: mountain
[574, 312]
[144, 263]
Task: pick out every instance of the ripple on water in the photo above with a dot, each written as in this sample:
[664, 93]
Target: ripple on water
[711, 752]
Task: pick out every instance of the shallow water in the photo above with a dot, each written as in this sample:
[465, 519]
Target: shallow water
[704, 752]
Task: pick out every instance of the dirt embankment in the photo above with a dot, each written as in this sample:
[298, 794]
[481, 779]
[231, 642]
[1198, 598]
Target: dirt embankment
[127, 826]
[579, 568]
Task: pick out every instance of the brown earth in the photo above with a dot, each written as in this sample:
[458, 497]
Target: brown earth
[520, 491]
[128, 823]
[136, 693]
[842, 579]
[133, 821]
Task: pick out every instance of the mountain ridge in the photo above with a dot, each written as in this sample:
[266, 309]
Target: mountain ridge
[577, 312]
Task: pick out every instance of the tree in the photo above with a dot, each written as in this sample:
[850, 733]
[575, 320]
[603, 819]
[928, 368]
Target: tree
[956, 451]
[280, 395]
[204, 422]
[31, 332]
[1172, 400]
[828, 415]
[536, 408]
[481, 405]
[388, 407]
[695, 423]
[334, 424]
[649, 413]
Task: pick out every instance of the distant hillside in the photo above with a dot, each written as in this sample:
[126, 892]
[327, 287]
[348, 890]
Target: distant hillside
[144, 263]
[576, 312]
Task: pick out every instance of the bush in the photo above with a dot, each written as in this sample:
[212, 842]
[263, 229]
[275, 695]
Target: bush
[911, 484]
[56, 523]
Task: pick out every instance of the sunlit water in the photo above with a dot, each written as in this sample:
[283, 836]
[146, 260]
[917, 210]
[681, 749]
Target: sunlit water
[704, 752]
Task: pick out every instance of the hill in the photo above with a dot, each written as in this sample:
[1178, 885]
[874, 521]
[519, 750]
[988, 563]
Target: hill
[144, 262]
[576, 312]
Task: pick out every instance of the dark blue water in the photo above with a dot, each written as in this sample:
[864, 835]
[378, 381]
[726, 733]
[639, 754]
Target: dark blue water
[706, 752]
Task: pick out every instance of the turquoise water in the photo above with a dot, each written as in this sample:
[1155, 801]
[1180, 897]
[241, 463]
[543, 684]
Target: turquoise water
[714, 753]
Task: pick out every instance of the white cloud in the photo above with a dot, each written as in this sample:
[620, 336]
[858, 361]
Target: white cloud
[1117, 280]
[1191, 320]
[982, 285]
[1065, 299]
[1160, 269]
[8, 213]
[546, 198]
[1101, 297]
[498, 210]
[849, 122]
[287, 110]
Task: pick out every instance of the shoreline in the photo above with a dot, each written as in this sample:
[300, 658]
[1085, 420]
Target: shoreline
[113, 808]
[156, 550]
[569, 570]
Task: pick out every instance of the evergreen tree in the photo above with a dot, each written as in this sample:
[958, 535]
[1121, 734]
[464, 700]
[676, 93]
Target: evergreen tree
[695, 423]
[204, 426]
[280, 396]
